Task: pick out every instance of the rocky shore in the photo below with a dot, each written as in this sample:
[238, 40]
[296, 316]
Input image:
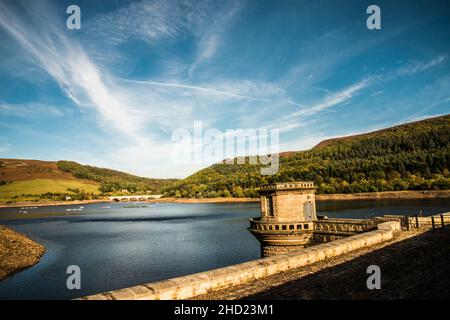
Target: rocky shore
[17, 252]
[52, 203]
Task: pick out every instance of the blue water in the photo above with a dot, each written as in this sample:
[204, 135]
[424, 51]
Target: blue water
[118, 247]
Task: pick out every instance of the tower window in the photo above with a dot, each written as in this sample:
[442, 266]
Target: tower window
[269, 206]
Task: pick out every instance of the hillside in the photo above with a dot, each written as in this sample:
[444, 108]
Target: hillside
[34, 180]
[113, 180]
[413, 156]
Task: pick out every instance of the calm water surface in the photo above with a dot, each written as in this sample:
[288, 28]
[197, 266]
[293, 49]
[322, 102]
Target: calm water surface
[121, 244]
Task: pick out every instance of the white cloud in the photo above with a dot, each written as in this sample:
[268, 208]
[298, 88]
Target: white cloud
[211, 40]
[416, 67]
[332, 100]
[4, 147]
[67, 63]
[377, 93]
[30, 110]
[149, 20]
[206, 89]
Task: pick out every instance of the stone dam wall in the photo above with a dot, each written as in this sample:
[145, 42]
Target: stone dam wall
[192, 285]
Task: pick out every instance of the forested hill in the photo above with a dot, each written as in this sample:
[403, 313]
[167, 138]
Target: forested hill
[414, 156]
[112, 180]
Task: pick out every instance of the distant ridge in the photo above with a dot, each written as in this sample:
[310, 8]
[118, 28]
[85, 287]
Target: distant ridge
[411, 156]
[33, 180]
[327, 142]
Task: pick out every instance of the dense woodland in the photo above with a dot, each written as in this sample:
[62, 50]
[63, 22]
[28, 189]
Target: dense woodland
[112, 180]
[413, 156]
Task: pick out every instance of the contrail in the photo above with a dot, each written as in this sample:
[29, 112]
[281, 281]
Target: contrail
[186, 86]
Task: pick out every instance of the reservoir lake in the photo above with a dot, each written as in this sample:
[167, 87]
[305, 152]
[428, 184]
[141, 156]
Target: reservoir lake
[118, 245]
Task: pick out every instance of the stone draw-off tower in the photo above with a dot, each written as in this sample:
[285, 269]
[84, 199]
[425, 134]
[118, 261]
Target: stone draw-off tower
[288, 212]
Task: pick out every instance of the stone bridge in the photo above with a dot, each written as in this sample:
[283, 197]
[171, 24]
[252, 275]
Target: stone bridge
[134, 198]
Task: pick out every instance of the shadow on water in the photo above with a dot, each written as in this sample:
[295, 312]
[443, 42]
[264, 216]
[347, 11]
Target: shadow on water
[151, 219]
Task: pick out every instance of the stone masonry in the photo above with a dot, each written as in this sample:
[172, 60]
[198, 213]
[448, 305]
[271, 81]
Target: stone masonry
[289, 222]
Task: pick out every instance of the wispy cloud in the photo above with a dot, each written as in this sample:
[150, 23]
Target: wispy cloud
[139, 70]
[149, 20]
[211, 40]
[4, 147]
[333, 99]
[67, 63]
[193, 87]
[301, 117]
[377, 93]
[420, 66]
[30, 110]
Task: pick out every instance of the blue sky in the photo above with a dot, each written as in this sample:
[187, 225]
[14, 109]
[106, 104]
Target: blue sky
[112, 93]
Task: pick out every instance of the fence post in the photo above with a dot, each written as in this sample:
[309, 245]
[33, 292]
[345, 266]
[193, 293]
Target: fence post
[432, 223]
[417, 221]
[442, 221]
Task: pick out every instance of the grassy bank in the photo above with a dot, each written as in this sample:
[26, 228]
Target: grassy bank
[39, 186]
[31, 190]
[17, 252]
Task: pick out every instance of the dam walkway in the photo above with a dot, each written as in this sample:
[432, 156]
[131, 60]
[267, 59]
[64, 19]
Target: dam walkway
[414, 265]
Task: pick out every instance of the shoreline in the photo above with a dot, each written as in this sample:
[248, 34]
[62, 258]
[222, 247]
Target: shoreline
[203, 200]
[409, 194]
[52, 203]
[17, 252]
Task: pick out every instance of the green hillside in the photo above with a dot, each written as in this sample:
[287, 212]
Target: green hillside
[112, 180]
[414, 156]
[42, 181]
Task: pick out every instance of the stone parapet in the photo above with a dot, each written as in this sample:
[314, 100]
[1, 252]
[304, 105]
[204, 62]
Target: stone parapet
[192, 285]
